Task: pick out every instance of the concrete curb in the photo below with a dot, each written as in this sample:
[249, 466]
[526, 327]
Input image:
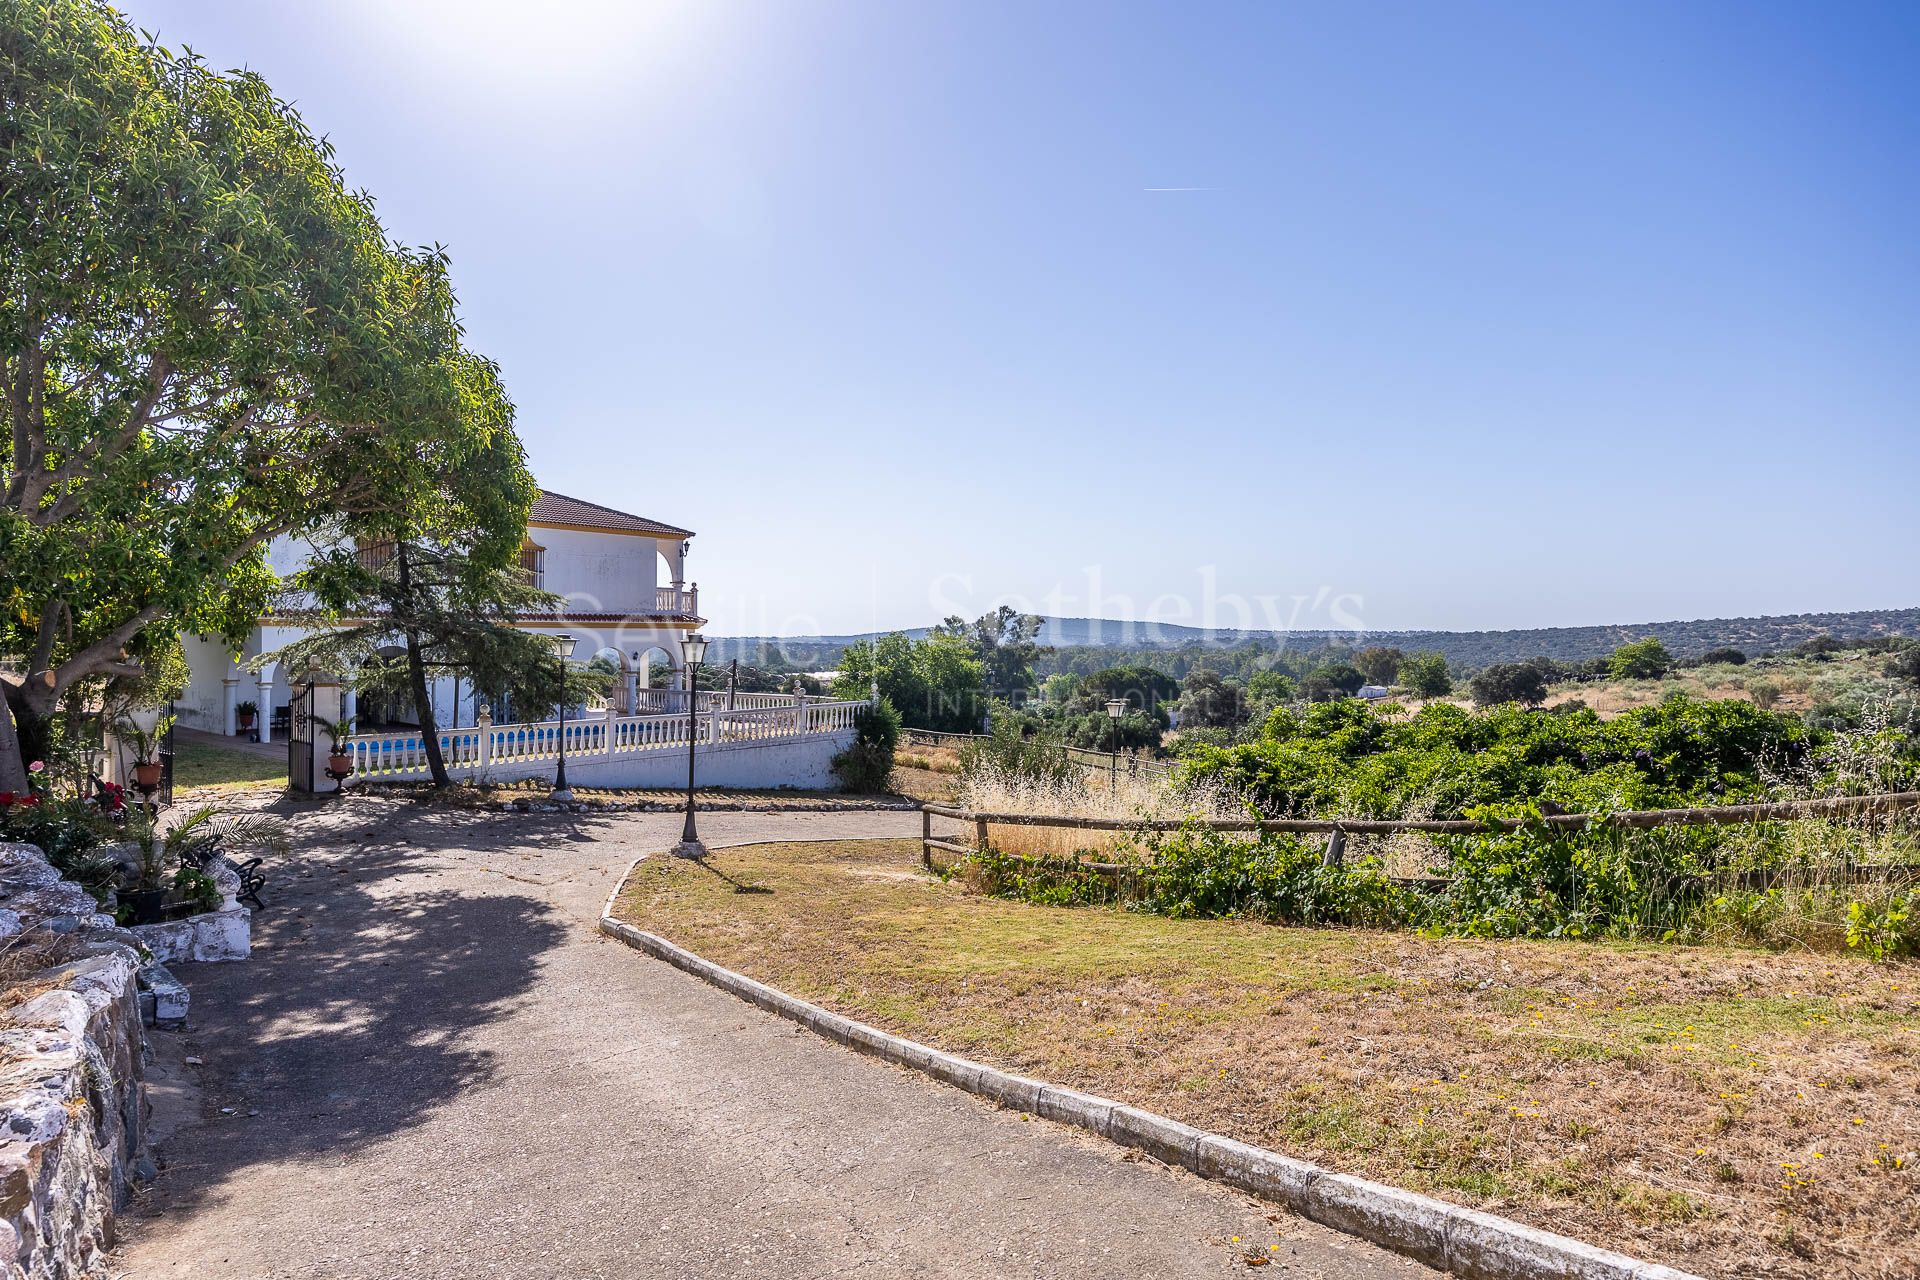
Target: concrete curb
[1470, 1244]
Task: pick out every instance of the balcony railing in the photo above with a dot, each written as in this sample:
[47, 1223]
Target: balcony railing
[677, 602]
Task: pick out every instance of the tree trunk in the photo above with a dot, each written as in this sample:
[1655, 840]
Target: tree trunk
[417, 679]
[13, 765]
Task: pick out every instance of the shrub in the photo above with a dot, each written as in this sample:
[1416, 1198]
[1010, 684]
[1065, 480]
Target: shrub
[1646, 659]
[1426, 675]
[1379, 664]
[1335, 680]
[1884, 930]
[70, 832]
[1341, 759]
[1543, 882]
[1010, 755]
[867, 765]
[1521, 682]
[1277, 878]
[1209, 702]
[1727, 656]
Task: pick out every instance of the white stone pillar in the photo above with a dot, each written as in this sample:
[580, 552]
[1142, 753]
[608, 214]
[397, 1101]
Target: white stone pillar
[613, 715]
[264, 720]
[483, 720]
[229, 690]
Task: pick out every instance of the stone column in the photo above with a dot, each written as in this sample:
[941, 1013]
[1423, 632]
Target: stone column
[264, 721]
[229, 689]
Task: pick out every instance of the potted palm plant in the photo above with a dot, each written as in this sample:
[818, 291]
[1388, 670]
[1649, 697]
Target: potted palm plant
[146, 899]
[339, 763]
[146, 749]
[244, 713]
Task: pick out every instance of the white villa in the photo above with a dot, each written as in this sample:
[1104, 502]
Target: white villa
[606, 565]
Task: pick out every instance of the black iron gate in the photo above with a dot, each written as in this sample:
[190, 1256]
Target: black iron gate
[166, 761]
[299, 739]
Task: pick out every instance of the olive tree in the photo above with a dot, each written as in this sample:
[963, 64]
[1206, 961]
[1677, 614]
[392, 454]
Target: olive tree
[207, 341]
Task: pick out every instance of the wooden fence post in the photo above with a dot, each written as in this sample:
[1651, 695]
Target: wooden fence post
[1336, 848]
[926, 837]
[980, 832]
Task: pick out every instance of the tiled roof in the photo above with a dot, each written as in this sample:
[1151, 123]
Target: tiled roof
[558, 508]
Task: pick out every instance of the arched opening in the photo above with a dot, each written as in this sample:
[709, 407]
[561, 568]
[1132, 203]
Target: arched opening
[654, 670]
[611, 663]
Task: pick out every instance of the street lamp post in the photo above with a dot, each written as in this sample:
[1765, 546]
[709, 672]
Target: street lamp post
[562, 793]
[1116, 707]
[693, 649]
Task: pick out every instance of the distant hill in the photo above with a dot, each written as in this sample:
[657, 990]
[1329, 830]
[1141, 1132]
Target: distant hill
[1465, 650]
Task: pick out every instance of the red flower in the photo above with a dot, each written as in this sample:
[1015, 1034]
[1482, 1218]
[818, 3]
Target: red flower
[6, 798]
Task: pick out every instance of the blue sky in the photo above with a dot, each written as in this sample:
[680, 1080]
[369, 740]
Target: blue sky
[1484, 315]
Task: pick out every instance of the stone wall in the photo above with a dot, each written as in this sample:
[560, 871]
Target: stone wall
[72, 1063]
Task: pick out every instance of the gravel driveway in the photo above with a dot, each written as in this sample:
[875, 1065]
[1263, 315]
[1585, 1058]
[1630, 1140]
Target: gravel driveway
[434, 1066]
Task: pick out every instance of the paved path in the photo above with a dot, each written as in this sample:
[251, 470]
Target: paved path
[435, 1067]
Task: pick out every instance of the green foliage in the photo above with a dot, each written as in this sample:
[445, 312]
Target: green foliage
[1646, 659]
[1009, 753]
[933, 683]
[1885, 930]
[1380, 664]
[1005, 645]
[70, 831]
[1335, 680]
[1521, 682]
[196, 889]
[209, 339]
[1341, 758]
[145, 745]
[1726, 655]
[1143, 688]
[866, 767]
[1542, 882]
[1277, 878]
[1210, 701]
[1425, 675]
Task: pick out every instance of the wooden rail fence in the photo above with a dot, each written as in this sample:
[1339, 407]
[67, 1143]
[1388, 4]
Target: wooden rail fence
[1883, 805]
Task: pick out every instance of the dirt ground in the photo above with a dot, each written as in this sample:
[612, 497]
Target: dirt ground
[1733, 1112]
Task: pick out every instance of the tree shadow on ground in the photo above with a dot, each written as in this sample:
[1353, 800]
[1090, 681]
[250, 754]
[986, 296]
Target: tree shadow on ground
[380, 960]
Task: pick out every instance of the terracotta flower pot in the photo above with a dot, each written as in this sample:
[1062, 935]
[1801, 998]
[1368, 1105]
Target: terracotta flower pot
[147, 775]
[340, 762]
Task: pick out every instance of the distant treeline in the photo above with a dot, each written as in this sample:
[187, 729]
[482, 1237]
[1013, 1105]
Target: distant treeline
[1302, 651]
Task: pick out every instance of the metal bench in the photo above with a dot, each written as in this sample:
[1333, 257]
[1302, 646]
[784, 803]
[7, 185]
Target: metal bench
[199, 855]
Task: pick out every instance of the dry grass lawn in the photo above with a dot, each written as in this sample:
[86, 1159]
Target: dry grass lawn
[1732, 1112]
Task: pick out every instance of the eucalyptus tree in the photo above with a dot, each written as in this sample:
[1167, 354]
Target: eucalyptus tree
[207, 340]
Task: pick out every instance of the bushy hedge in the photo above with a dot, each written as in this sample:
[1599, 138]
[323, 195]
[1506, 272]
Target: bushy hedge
[866, 767]
[1445, 762]
[1535, 882]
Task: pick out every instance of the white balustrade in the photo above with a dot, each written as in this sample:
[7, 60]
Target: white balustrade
[677, 602]
[507, 752]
